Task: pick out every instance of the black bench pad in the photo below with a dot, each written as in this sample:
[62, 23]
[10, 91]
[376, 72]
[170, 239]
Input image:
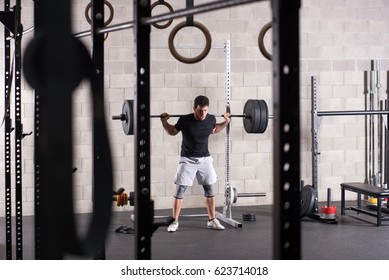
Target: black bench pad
[366, 189]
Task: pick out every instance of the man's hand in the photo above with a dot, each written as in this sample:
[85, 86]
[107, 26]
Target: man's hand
[170, 129]
[164, 117]
[227, 116]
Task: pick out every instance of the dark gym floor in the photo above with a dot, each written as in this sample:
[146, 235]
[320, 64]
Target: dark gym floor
[354, 237]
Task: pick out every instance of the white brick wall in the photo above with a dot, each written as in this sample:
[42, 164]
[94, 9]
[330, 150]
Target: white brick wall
[338, 38]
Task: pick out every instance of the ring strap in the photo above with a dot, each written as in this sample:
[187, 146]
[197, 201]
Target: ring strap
[189, 18]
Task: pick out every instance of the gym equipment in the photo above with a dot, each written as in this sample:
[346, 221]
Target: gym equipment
[111, 12]
[202, 8]
[376, 137]
[261, 43]
[316, 118]
[202, 55]
[307, 199]
[365, 189]
[123, 198]
[56, 237]
[11, 18]
[373, 201]
[125, 229]
[230, 193]
[255, 116]
[328, 212]
[167, 5]
[248, 217]
[190, 22]
[308, 203]
[108, 21]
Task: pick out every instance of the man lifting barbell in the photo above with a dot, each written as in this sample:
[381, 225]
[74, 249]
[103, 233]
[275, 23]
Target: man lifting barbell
[195, 157]
[255, 120]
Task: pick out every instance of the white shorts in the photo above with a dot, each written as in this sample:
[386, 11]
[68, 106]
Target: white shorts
[202, 168]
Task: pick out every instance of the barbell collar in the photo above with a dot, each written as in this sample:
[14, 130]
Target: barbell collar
[121, 117]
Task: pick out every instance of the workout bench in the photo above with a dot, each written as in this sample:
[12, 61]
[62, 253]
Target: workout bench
[366, 189]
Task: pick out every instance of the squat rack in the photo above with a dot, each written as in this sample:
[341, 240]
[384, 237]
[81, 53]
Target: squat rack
[316, 117]
[53, 180]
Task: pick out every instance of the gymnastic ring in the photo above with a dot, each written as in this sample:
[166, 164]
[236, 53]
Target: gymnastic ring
[261, 45]
[111, 11]
[156, 3]
[204, 53]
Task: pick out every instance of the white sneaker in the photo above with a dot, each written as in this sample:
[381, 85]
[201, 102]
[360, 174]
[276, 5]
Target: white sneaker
[214, 224]
[173, 227]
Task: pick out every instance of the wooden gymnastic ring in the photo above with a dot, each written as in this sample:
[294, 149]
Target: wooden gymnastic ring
[204, 53]
[162, 26]
[261, 44]
[108, 21]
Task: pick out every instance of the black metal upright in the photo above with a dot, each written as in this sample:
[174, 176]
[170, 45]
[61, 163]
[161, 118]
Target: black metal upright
[51, 52]
[144, 208]
[7, 138]
[54, 64]
[18, 132]
[97, 17]
[286, 222]
[13, 29]
[37, 190]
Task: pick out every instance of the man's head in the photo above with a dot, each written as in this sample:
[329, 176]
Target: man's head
[200, 107]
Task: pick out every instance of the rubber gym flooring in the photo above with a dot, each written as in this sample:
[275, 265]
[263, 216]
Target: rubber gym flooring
[354, 237]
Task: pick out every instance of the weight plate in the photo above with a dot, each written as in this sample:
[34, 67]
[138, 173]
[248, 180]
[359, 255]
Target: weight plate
[128, 122]
[264, 116]
[256, 116]
[307, 199]
[252, 114]
[248, 217]
[132, 198]
[235, 195]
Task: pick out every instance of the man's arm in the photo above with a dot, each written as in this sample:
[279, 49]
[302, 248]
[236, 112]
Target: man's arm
[220, 126]
[170, 129]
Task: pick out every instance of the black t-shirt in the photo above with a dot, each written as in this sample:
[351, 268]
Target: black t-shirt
[195, 135]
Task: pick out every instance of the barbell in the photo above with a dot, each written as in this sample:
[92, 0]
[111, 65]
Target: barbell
[255, 116]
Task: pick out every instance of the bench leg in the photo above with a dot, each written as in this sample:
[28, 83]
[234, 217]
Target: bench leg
[343, 203]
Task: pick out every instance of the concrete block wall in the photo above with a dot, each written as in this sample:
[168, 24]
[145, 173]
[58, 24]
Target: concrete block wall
[338, 38]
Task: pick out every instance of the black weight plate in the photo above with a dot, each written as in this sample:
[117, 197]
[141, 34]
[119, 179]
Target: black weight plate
[307, 199]
[248, 217]
[252, 112]
[128, 122]
[264, 116]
